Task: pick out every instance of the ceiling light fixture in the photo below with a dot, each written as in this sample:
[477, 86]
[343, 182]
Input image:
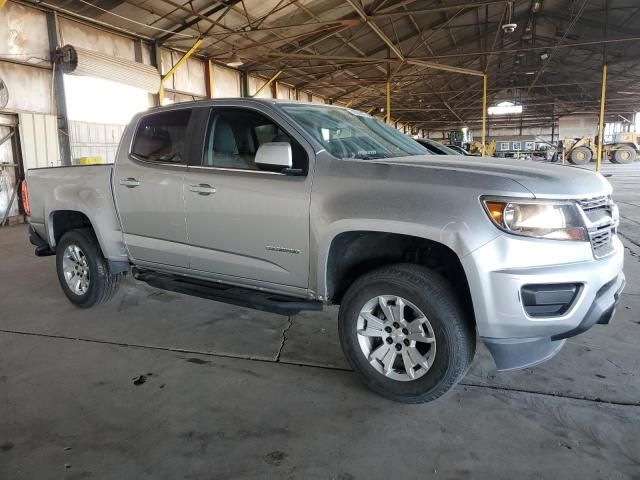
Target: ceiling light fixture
[505, 108]
[234, 60]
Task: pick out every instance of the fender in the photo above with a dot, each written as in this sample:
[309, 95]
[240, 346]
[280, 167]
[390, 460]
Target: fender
[454, 234]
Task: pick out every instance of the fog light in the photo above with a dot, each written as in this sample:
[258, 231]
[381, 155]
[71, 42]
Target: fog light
[549, 300]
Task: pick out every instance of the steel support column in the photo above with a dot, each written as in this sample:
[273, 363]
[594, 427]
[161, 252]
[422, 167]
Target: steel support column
[601, 124]
[208, 74]
[60, 98]
[484, 113]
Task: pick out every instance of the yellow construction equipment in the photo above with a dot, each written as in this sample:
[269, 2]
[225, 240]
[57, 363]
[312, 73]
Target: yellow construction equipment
[476, 148]
[579, 150]
[624, 149]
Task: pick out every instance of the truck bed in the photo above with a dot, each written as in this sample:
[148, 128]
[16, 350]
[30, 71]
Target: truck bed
[85, 189]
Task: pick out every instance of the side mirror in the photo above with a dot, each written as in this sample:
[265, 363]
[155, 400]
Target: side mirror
[274, 156]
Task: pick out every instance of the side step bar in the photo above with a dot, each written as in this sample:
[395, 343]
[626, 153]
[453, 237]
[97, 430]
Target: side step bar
[242, 297]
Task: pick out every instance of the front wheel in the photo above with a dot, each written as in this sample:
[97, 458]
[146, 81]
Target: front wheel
[580, 155]
[83, 271]
[405, 334]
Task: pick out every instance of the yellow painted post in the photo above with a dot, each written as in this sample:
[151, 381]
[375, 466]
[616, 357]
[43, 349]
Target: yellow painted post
[484, 113]
[601, 125]
[269, 82]
[182, 60]
[388, 118]
[176, 67]
[209, 79]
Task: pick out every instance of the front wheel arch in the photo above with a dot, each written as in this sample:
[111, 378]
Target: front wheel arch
[354, 253]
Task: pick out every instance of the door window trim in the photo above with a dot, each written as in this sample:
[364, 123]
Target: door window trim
[205, 129]
[184, 153]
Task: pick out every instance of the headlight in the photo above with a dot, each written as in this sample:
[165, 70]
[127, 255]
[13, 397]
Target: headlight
[541, 219]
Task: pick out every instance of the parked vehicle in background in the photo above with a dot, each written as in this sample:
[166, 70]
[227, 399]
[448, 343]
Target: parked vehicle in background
[285, 206]
[460, 150]
[436, 148]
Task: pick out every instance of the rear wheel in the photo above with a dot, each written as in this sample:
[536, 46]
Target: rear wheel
[580, 156]
[624, 155]
[83, 271]
[405, 334]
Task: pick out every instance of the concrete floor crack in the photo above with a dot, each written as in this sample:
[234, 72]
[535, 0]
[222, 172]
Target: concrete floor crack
[467, 383]
[284, 338]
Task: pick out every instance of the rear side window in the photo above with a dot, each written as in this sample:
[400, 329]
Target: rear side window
[161, 136]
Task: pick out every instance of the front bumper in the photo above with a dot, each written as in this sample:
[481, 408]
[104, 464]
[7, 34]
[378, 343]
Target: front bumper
[518, 353]
[497, 272]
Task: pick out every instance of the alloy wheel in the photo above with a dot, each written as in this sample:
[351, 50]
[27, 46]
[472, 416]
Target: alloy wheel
[396, 338]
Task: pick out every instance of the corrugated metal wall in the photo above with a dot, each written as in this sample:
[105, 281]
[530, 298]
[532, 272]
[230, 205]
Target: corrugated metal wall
[94, 140]
[39, 140]
[7, 174]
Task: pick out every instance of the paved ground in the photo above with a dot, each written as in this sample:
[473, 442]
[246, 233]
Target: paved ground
[162, 386]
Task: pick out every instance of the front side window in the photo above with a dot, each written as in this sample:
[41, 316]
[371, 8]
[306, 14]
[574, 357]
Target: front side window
[160, 137]
[234, 136]
[347, 133]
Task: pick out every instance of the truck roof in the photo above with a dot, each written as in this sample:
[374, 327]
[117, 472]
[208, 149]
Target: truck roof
[214, 101]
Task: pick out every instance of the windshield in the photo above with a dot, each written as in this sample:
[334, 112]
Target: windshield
[347, 133]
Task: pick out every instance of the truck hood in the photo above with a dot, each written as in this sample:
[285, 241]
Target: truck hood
[543, 180]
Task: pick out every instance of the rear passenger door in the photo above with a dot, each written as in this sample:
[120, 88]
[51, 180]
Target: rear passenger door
[244, 222]
[148, 187]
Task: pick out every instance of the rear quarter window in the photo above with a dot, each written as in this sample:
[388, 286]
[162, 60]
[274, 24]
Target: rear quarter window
[160, 137]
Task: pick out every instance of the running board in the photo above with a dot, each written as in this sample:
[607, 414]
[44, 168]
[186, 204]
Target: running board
[242, 297]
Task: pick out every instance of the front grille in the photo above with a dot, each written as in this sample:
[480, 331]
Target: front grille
[601, 242]
[595, 202]
[598, 212]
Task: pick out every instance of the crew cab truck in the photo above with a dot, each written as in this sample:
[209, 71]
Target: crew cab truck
[286, 206]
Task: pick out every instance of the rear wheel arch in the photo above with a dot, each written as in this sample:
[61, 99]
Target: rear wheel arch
[63, 221]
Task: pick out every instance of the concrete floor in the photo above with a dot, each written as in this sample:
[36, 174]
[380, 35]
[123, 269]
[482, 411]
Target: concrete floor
[162, 386]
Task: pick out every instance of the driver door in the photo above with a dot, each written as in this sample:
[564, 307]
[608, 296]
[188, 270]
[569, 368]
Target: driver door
[243, 222]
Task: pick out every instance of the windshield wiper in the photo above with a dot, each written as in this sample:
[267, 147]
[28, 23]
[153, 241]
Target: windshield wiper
[372, 157]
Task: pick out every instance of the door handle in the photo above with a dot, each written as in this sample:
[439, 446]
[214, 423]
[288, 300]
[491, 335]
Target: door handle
[129, 182]
[202, 189]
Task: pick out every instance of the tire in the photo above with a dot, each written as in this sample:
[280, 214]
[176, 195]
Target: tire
[623, 155]
[78, 252]
[418, 288]
[580, 156]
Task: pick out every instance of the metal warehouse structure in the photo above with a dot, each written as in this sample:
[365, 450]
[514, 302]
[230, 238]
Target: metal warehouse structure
[418, 64]
[347, 51]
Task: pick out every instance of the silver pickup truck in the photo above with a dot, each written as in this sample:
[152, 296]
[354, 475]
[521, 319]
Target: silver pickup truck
[285, 206]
